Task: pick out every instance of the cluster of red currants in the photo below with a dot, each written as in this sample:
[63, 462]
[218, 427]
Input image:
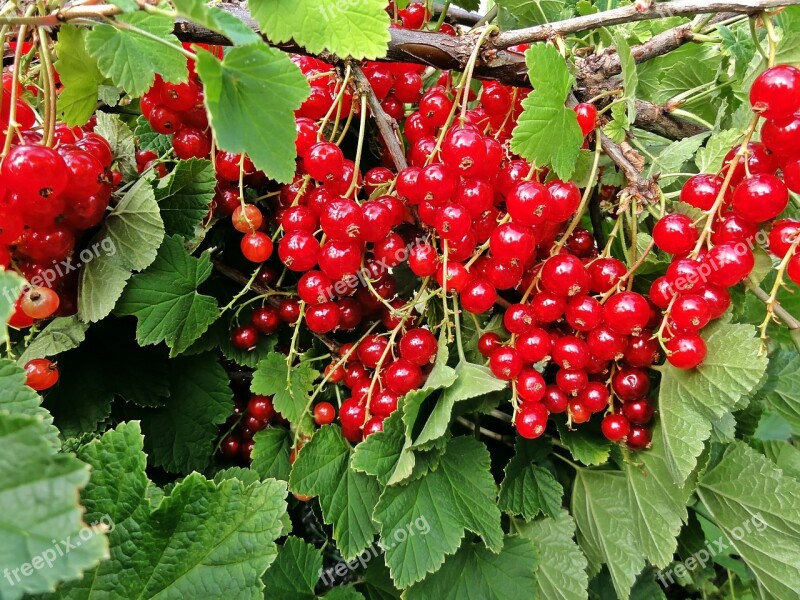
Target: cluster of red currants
[377, 377]
[750, 192]
[590, 347]
[250, 416]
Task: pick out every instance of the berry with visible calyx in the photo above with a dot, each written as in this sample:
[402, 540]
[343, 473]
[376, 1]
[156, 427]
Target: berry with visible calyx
[41, 374]
[675, 234]
[565, 275]
[775, 94]
[530, 385]
[244, 337]
[690, 312]
[594, 396]
[627, 313]
[639, 437]
[505, 363]
[531, 420]
[247, 218]
[686, 351]
[615, 427]
[39, 303]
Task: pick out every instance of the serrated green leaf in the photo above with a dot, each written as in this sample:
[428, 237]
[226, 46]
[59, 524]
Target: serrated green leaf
[515, 14]
[709, 158]
[788, 46]
[606, 527]
[149, 139]
[135, 227]
[658, 505]
[471, 381]
[79, 75]
[165, 300]
[459, 495]
[359, 28]
[60, 335]
[562, 566]
[132, 60]
[295, 571]
[184, 196]
[690, 400]
[383, 454]
[752, 501]
[475, 573]
[781, 452]
[782, 389]
[39, 495]
[235, 88]
[738, 44]
[586, 444]
[182, 434]
[545, 117]
[16, 398]
[674, 157]
[11, 286]
[121, 139]
[216, 19]
[347, 497]
[289, 386]
[630, 76]
[128, 241]
[205, 539]
[271, 453]
[529, 489]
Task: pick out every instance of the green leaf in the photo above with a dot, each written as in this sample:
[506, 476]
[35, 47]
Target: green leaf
[382, 454]
[182, 434]
[476, 573]
[562, 566]
[135, 227]
[606, 527]
[529, 489]
[472, 381]
[16, 398]
[165, 300]
[347, 497]
[782, 389]
[60, 335]
[359, 28]
[690, 400]
[216, 19]
[128, 241]
[235, 89]
[11, 285]
[658, 505]
[738, 44]
[752, 501]
[271, 453]
[545, 117]
[674, 157]
[39, 495]
[121, 139]
[132, 60]
[295, 571]
[788, 48]
[459, 495]
[515, 14]
[204, 538]
[586, 444]
[630, 76]
[251, 357]
[710, 157]
[79, 75]
[149, 139]
[184, 196]
[290, 387]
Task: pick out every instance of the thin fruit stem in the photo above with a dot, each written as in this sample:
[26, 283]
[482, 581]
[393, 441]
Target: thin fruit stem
[776, 287]
[360, 148]
[712, 212]
[13, 126]
[587, 194]
[471, 67]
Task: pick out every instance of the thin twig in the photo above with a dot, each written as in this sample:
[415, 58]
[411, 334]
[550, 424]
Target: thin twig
[241, 278]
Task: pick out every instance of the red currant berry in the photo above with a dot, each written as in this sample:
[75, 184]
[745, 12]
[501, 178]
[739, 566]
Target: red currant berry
[41, 374]
[627, 313]
[531, 420]
[775, 94]
[760, 198]
[245, 337]
[615, 427]
[675, 234]
[565, 275]
[505, 363]
[686, 351]
[587, 117]
[530, 385]
[638, 412]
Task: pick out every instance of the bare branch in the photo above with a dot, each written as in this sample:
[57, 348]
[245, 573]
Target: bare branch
[629, 14]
